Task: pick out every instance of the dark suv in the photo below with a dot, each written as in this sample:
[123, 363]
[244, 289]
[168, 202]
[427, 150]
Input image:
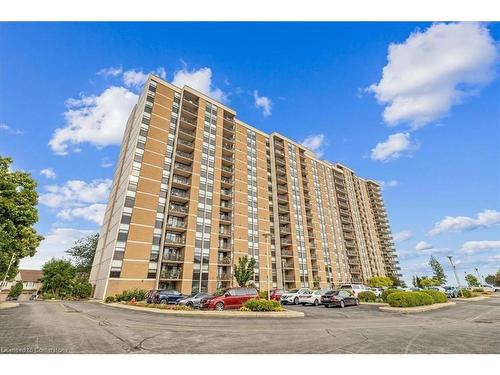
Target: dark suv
[165, 296]
[233, 298]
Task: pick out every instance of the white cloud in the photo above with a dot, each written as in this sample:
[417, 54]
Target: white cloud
[56, 242]
[78, 199]
[106, 162]
[264, 103]
[404, 235]
[473, 246]
[48, 173]
[389, 184]
[422, 245]
[315, 143]
[94, 212]
[110, 72]
[484, 219]
[393, 147]
[433, 70]
[98, 120]
[134, 78]
[7, 128]
[200, 80]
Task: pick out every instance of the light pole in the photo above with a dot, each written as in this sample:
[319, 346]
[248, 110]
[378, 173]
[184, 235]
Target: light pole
[267, 235]
[283, 271]
[6, 273]
[456, 276]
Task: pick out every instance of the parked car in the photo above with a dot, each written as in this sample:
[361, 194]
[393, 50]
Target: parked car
[339, 298]
[377, 291]
[150, 295]
[313, 297]
[438, 288]
[233, 298]
[276, 294]
[354, 288]
[293, 295]
[193, 301]
[490, 288]
[165, 296]
[451, 291]
[416, 289]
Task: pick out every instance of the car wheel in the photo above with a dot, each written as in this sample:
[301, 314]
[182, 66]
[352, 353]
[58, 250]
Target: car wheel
[296, 301]
[189, 304]
[303, 303]
[316, 302]
[342, 304]
[326, 305]
[219, 306]
[163, 301]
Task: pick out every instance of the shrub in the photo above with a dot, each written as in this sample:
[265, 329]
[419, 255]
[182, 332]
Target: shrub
[387, 292]
[466, 293]
[263, 294]
[127, 295]
[367, 296]
[478, 290]
[262, 305]
[49, 295]
[243, 308]
[437, 296]
[16, 289]
[82, 289]
[409, 299]
[110, 299]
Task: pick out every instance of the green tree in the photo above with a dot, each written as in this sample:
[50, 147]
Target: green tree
[396, 281]
[81, 288]
[57, 277]
[490, 279]
[83, 252]
[380, 282]
[18, 215]
[244, 270]
[16, 290]
[437, 270]
[426, 282]
[497, 278]
[471, 280]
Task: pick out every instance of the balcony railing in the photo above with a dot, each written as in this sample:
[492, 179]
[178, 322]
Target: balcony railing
[179, 193]
[176, 224]
[227, 169]
[224, 276]
[180, 180]
[225, 217]
[184, 167]
[175, 240]
[177, 208]
[172, 257]
[185, 155]
[171, 275]
[189, 110]
[225, 260]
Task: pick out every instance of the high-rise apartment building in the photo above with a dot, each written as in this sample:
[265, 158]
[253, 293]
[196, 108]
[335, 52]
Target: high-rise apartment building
[195, 189]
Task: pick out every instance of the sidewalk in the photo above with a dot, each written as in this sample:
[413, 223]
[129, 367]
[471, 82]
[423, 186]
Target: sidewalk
[416, 309]
[8, 305]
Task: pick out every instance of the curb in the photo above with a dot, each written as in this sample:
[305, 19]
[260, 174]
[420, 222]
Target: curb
[214, 314]
[8, 305]
[374, 303]
[416, 309]
[479, 298]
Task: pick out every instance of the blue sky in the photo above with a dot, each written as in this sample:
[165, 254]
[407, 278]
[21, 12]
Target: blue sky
[421, 116]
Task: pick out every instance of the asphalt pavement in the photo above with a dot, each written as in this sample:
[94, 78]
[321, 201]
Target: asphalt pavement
[91, 327]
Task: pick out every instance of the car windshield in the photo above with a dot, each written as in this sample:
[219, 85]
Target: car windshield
[332, 293]
[293, 291]
[345, 287]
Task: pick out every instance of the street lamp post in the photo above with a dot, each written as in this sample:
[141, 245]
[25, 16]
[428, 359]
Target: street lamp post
[456, 276]
[267, 235]
[7, 272]
[479, 277]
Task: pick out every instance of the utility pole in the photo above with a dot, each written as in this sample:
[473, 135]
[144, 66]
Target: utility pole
[456, 276]
[479, 277]
[283, 272]
[7, 272]
[267, 235]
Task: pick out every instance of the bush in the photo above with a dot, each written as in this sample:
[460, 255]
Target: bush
[478, 290]
[262, 305]
[409, 299]
[263, 294]
[386, 292]
[437, 296]
[82, 289]
[127, 295]
[16, 290]
[367, 296]
[110, 299]
[466, 293]
[49, 295]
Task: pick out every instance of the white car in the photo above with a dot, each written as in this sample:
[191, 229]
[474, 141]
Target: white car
[293, 296]
[313, 297]
[376, 291]
[355, 288]
[490, 288]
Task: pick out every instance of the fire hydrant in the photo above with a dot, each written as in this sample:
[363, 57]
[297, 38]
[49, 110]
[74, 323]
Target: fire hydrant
[132, 301]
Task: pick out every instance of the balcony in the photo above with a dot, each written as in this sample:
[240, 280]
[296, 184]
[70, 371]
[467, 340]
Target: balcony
[227, 160]
[175, 241]
[284, 229]
[280, 161]
[178, 210]
[174, 274]
[187, 135]
[282, 188]
[224, 247]
[184, 145]
[227, 171]
[224, 233]
[172, 258]
[227, 148]
[226, 218]
[189, 111]
[224, 277]
[176, 225]
[279, 153]
[190, 102]
[179, 195]
[180, 182]
[284, 219]
[184, 157]
[282, 198]
[182, 169]
[286, 254]
[353, 262]
[288, 265]
[282, 208]
[189, 123]
[225, 261]
[226, 193]
[225, 206]
[312, 245]
[227, 182]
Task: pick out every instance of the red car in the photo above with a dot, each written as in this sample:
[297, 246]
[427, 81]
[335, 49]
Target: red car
[233, 298]
[276, 294]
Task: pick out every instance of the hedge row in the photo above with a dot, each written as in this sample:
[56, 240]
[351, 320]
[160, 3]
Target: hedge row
[437, 296]
[261, 305]
[387, 292]
[367, 296]
[127, 295]
[409, 299]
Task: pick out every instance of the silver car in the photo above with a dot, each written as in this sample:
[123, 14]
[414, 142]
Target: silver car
[193, 301]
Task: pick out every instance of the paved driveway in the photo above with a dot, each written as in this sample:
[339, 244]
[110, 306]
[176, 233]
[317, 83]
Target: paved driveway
[87, 327]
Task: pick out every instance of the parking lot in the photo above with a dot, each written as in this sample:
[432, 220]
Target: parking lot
[89, 327]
